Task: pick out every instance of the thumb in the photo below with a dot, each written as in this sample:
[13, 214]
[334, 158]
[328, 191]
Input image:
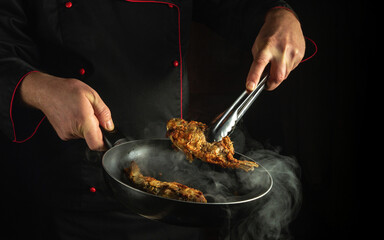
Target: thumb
[102, 113]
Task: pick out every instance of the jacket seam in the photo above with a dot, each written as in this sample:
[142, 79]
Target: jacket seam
[179, 42]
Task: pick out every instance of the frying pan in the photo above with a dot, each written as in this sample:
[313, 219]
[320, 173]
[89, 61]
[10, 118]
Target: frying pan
[227, 191]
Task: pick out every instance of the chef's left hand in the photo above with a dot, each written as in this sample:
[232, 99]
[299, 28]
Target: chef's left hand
[281, 43]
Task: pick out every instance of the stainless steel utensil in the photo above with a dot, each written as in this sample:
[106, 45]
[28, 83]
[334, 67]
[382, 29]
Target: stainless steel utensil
[224, 125]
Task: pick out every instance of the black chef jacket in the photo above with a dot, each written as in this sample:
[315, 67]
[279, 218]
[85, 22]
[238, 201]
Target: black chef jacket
[130, 51]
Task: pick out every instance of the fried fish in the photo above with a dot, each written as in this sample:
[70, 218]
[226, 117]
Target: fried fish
[190, 137]
[173, 190]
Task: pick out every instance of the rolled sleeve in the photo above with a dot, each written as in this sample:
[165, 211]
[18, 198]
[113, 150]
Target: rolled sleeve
[18, 58]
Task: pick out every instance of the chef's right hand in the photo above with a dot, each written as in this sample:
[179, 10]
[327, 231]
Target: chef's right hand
[74, 109]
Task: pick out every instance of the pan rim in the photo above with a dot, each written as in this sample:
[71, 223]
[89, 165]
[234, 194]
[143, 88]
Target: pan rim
[176, 200]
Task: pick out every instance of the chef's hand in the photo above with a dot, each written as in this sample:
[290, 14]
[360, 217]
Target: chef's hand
[74, 109]
[281, 43]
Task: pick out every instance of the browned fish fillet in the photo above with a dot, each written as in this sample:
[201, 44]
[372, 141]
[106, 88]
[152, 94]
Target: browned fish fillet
[190, 138]
[171, 190]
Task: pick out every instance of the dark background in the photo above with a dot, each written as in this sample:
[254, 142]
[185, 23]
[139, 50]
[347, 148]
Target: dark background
[317, 116]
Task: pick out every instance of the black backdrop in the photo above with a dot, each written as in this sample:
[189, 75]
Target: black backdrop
[318, 115]
[315, 116]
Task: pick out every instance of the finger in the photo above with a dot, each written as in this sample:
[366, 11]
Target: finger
[102, 113]
[278, 74]
[256, 70]
[93, 135]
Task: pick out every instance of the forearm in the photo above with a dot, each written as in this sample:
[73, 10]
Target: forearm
[38, 90]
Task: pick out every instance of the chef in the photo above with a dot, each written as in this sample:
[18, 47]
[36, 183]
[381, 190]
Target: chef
[71, 67]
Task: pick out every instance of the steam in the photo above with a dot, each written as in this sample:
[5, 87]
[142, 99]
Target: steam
[270, 219]
[267, 218]
[218, 185]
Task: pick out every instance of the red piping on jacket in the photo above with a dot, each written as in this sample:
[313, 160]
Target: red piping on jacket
[181, 76]
[314, 53]
[10, 113]
[180, 55]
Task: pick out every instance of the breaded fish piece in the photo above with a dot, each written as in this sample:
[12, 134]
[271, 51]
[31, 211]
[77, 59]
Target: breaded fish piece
[173, 190]
[190, 137]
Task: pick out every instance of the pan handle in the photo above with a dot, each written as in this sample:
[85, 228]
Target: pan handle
[112, 138]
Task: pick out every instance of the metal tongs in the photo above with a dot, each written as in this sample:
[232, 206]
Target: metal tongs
[224, 125]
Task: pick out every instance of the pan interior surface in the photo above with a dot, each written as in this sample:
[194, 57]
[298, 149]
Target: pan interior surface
[157, 158]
